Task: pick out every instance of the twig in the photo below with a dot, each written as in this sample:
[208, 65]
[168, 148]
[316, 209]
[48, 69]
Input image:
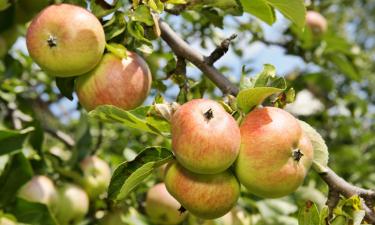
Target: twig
[181, 48]
[220, 50]
[58, 134]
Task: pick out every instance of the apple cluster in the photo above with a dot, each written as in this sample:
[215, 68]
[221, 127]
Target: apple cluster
[69, 202]
[268, 153]
[66, 40]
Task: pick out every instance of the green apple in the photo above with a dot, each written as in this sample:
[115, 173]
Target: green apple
[65, 40]
[113, 218]
[162, 208]
[96, 176]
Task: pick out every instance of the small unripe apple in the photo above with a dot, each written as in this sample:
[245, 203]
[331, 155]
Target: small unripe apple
[162, 208]
[96, 176]
[113, 218]
[39, 189]
[73, 204]
[65, 40]
[316, 22]
[207, 196]
[275, 153]
[205, 138]
[124, 83]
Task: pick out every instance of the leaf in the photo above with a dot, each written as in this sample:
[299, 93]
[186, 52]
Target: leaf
[250, 98]
[115, 26]
[12, 140]
[102, 8]
[260, 9]
[137, 119]
[129, 175]
[32, 213]
[309, 214]
[4, 4]
[143, 14]
[345, 66]
[294, 10]
[16, 173]
[117, 49]
[233, 7]
[66, 86]
[321, 154]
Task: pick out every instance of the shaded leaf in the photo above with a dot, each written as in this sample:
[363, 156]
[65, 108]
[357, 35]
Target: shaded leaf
[32, 213]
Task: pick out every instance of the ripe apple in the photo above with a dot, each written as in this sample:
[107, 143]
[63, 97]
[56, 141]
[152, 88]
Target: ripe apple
[205, 138]
[207, 196]
[96, 176]
[65, 40]
[124, 83]
[73, 204]
[275, 154]
[316, 22]
[162, 208]
[39, 189]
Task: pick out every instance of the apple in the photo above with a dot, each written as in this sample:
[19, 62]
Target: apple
[73, 204]
[96, 176]
[39, 189]
[275, 154]
[121, 82]
[316, 22]
[113, 218]
[7, 221]
[207, 196]
[65, 40]
[205, 138]
[162, 208]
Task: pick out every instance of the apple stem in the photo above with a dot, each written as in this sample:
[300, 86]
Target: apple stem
[209, 114]
[52, 41]
[297, 155]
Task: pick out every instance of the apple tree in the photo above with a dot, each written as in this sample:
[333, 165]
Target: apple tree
[171, 112]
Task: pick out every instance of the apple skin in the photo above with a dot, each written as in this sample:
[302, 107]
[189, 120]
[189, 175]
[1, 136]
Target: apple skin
[316, 22]
[207, 196]
[65, 40]
[96, 176]
[73, 204]
[266, 165]
[202, 144]
[162, 208]
[124, 83]
[39, 189]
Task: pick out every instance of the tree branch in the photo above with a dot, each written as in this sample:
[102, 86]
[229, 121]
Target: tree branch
[220, 50]
[335, 182]
[183, 49]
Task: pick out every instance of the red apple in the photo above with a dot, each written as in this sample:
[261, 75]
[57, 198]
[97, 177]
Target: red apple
[207, 196]
[39, 189]
[124, 83]
[65, 40]
[275, 154]
[316, 22]
[96, 176]
[162, 208]
[205, 138]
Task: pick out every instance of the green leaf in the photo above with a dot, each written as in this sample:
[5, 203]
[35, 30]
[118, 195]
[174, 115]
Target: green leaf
[136, 30]
[115, 26]
[137, 119]
[16, 173]
[345, 66]
[294, 10]
[143, 14]
[103, 9]
[66, 86]
[129, 175]
[324, 214]
[4, 4]
[250, 98]
[309, 214]
[117, 49]
[321, 154]
[32, 213]
[12, 140]
[233, 7]
[260, 9]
